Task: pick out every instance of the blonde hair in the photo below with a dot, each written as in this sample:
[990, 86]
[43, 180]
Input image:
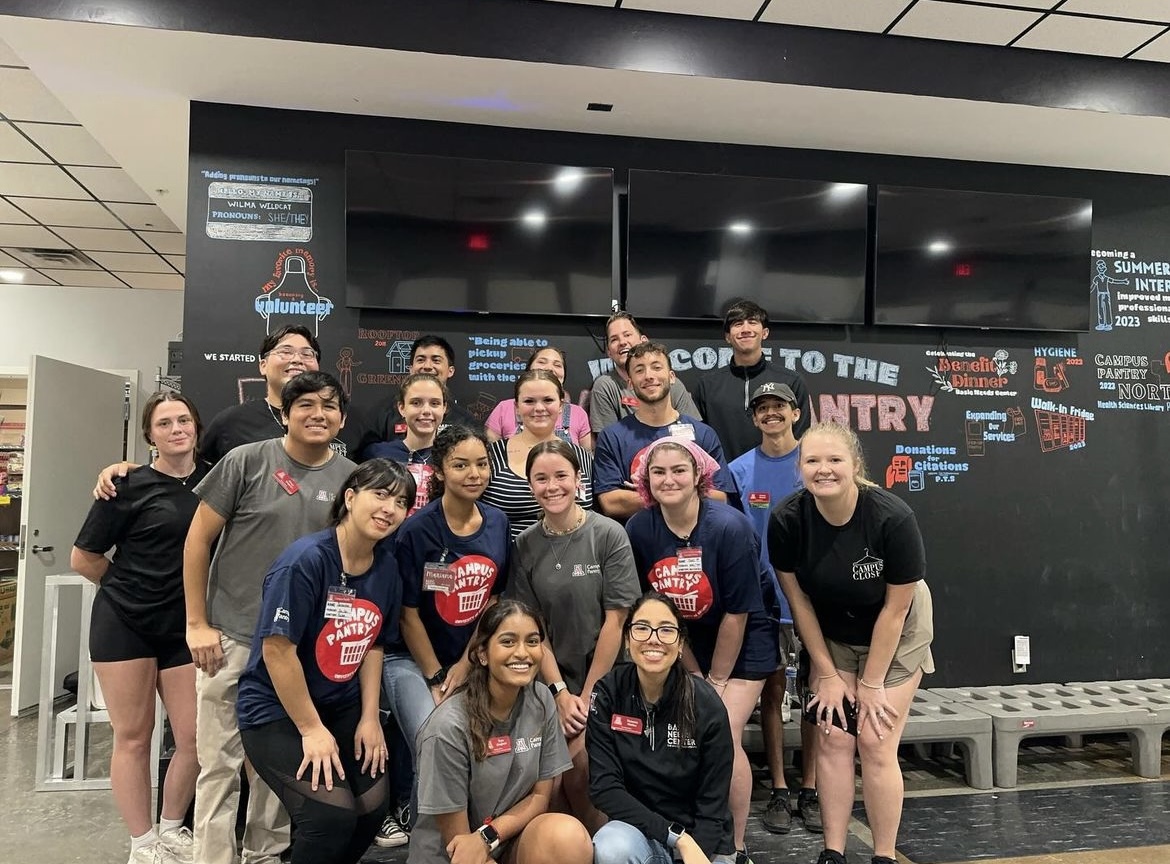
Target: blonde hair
[852, 443]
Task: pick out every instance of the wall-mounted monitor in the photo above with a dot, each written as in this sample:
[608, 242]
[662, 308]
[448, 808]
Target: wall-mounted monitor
[698, 241]
[473, 235]
[947, 258]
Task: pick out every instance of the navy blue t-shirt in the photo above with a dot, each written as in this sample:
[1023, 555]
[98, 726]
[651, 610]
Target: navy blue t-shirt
[296, 593]
[465, 573]
[417, 462]
[621, 448]
[730, 582]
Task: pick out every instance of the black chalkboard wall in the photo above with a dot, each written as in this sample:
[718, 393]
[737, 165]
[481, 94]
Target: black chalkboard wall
[1033, 461]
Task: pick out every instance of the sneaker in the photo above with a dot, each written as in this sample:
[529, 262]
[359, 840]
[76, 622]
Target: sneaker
[777, 816]
[808, 808]
[882, 859]
[831, 856]
[403, 815]
[392, 833]
[179, 844]
[154, 853]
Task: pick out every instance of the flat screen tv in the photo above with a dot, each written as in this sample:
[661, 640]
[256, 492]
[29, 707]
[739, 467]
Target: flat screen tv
[474, 235]
[698, 241]
[947, 258]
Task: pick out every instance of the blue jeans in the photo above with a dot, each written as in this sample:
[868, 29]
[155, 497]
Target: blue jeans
[622, 843]
[411, 703]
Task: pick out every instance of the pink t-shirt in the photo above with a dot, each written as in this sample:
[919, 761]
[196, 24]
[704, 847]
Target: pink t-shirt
[502, 420]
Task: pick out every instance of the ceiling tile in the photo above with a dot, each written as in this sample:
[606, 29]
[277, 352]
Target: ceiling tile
[131, 262]
[53, 259]
[165, 242]
[1141, 10]
[930, 19]
[69, 145]
[1088, 35]
[77, 214]
[148, 217]
[27, 277]
[30, 236]
[7, 260]
[14, 147]
[109, 184]
[179, 262]
[11, 215]
[8, 57]
[1031, 4]
[1158, 50]
[84, 278]
[37, 181]
[24, 97]
[872, 16]
[743, 9]
[153, 281]
[103, 239]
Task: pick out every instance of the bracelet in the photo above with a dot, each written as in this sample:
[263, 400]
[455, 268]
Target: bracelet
[869, 686]
[715, 683]
[827, 677]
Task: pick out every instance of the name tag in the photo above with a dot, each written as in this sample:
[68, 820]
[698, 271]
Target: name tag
[438, 577]
[399, 428]
[286, 481]
[339, 604]
[690, 560]
[759, 499]
[682, 430]
[630, 401]
[499, 745]
[622, 723]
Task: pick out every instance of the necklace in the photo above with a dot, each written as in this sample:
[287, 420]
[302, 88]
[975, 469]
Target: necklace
[275, 416]
[554, 533]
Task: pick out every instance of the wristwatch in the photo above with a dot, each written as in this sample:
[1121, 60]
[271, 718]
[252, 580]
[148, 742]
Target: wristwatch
[674, 833]
[490, 836]
[557, 688]
[438, 678]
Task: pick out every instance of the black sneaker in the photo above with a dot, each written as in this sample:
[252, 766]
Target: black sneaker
[881, 859]
[777, 816]
[808, 808]
[831, 856]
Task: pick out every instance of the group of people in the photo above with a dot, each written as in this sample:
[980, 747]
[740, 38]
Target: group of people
[570, 617]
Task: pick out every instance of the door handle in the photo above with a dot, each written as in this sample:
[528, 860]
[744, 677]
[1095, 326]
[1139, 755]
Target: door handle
[38, 549]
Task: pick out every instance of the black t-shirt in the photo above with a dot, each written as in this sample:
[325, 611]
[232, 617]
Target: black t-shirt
[148, 522]
[844, 570]
[256, 420]
[388, 425]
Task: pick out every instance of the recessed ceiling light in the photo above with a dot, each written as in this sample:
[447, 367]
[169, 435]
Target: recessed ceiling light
[741, 227]
[534, 218]
[938, 247]
[11, 275]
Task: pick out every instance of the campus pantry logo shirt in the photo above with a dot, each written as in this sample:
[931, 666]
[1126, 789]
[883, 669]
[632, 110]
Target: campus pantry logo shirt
[690, 591]
[473, 578]
[343, 642]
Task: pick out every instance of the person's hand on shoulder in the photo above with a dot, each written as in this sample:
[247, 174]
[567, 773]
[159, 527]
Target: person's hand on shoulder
[105, 490]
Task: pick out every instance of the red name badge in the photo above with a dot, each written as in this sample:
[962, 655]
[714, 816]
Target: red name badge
[630, 401]
[622, 723]
[499, 745]
[759, 499]
[399, 428]
[287, 483]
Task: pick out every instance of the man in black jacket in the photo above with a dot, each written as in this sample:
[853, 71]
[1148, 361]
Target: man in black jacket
[723, 395]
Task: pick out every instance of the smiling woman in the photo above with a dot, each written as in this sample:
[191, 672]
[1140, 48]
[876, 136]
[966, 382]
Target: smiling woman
[488, 755]
[308, 697]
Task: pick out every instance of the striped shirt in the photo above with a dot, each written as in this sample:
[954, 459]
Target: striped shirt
[511, 493]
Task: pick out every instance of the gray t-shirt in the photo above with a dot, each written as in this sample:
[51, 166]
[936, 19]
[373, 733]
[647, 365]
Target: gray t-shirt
[612, 398]
[596, 573]
[529, 747]
[263, 517]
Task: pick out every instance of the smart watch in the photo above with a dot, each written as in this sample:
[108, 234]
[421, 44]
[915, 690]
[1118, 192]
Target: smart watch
[438, 678]
[490, 836]
[674, 833]
[557, 688]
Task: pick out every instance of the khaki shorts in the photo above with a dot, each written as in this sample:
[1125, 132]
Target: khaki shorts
[912, 653]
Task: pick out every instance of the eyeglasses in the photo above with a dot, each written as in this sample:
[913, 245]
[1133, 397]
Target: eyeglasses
[667, 633]
[286, 353]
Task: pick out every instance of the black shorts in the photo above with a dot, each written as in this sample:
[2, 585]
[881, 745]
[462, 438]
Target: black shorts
[112, 640]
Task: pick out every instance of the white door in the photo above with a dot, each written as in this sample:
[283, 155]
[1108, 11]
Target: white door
[75, 427]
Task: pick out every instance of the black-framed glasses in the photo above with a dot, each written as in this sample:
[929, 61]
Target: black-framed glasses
[286, 353]
[667, 633]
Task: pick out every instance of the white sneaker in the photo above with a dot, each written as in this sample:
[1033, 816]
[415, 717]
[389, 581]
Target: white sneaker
[150, 854]
[179, 846]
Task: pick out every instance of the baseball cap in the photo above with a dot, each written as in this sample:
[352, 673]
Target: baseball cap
[771, 388]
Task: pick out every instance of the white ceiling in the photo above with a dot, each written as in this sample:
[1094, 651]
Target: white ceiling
[78, 100]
